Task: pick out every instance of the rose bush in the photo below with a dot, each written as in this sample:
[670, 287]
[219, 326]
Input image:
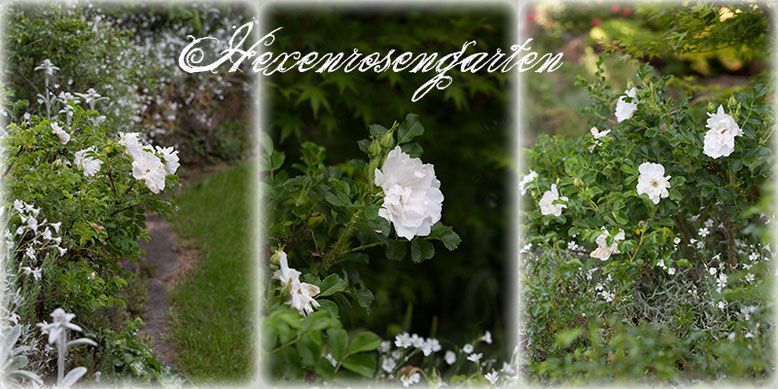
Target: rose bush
[675, 209]
[321, 223]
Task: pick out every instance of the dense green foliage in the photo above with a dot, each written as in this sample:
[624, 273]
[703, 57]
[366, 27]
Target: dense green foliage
[684, 294]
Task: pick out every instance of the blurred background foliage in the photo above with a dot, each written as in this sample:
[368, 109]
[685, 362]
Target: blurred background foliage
[712, 50]
[456, 295]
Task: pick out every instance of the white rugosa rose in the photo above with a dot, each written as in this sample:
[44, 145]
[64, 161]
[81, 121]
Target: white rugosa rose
[300, 293]
[149, 168]
[720, 138]
[63, 136]
[526, 180]
[412, 198]
[88, 164]
[653, 182]
[171, 158]
[604, 250]
[625, 110]
[547, 205]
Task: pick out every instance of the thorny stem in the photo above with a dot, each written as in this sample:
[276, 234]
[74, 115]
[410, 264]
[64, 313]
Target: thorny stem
[338, 247]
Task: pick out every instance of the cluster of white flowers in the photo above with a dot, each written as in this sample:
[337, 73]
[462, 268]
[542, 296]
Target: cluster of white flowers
[720, 138]
[410, 379]
[669, 270]
[605, 250]
[605, 294]
[146, 165]
[551, 203]
[625, 110]
[412, 198]
[427, 346]
[33, 238]
[652, 181]
[300, 293]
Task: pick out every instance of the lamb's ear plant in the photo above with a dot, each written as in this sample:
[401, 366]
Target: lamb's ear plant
[13, 361]
[57, 332]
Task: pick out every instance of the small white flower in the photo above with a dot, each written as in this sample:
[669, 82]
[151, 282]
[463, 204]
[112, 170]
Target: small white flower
[56, 226]
[625, 110]
[712, 271]
[528, 178]
[467, 349]
[731, 336]
[749, 335]
[547, 205]
[62, 251]
[450, 357]
[475, 357]
[754, 256]
[47, 67]
[722, 305]
[492, 377]
[652, 181]
[30, 252]
[749, 278]
[487, 337]
[671, 271]
[403, 340]
[704, 232]
[412, 198]
[417, 341]
[507, 368]
[63, 136]
[676, 240]
[388, 365]
[385, 346]
[88, 164]
[332, 360]
[720, 138]
[410, 379]
[527, 247]
[397, 354]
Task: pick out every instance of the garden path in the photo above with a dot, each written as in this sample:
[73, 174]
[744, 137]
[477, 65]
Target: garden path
[168, 261]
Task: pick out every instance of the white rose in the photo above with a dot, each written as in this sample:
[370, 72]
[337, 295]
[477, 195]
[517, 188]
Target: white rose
[604, 251]
[412, 197]
[171, 159]
[625, 110]
[652, 181]
[720, 138]
[547, 206]
[130, 141]
[528, 178]
[88, 164]
[63, 136]
[149, 168]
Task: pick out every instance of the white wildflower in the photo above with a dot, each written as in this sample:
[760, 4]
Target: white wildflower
[625, 110]
[720, 138]
[526, 180]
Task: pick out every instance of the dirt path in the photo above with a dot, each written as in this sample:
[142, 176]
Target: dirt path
[169, 262]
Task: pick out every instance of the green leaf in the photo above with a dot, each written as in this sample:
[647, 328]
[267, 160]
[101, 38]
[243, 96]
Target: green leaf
[396, 250]
[308, 350]
[365, 298]
[365, 341]
[377, 129]
[331, 285]
[362, 364]
[409, 129]
[338, 340]
[330, 306]
[421, 250]
[446, 235]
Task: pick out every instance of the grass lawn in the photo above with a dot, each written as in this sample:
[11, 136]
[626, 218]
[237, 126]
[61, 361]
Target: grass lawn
[211, 310]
